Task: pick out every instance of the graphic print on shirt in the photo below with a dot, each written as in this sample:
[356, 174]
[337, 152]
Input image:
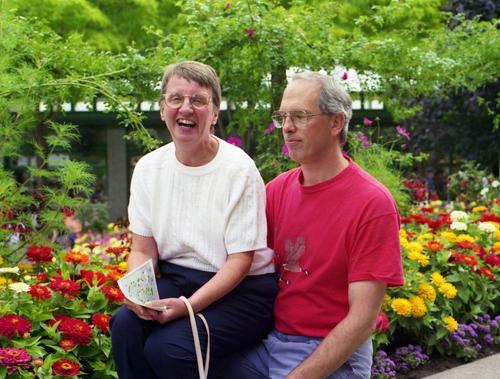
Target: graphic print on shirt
[293, 252]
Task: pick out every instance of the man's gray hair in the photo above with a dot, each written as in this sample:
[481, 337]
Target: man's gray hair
[333, 98]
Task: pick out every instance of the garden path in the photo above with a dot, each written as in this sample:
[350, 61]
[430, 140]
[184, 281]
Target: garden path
[485, 368]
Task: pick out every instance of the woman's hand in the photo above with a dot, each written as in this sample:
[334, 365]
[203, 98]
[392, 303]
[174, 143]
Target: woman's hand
[175, 308]
[141, 312]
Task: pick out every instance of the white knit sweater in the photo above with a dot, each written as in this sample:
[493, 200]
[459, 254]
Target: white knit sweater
[198, 215]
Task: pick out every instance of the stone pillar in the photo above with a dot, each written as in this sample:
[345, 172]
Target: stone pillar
[117, 173]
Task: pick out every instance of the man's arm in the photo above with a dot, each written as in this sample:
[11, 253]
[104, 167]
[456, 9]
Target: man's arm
[365, 299]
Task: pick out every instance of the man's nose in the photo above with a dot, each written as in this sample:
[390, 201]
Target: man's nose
[288, 124]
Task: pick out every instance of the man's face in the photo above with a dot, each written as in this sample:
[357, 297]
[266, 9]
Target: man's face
[192, 120]
[311, 142]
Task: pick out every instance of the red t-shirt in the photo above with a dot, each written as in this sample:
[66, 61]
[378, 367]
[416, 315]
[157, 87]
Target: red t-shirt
[326, 236]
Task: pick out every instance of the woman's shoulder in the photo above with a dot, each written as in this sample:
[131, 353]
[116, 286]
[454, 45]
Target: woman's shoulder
[235, 156]
[156, 158]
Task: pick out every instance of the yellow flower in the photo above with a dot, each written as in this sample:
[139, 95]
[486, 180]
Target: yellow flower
[425, 237]
[402, 307]
[427, 292]
[449, 236]
[478, 209]
[496, 246]
[436, 203]
[1, 260]
[415, 247]
[4, 280]
[465, 238]
[26, 267]
[437, 279]
[403, 234]
[418, 308]
[420, 258]
[123, 266]
[497, 235]
[451, 323]
[403, 242]
[448, 290]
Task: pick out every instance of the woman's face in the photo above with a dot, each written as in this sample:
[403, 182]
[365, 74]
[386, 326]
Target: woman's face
[191, 122]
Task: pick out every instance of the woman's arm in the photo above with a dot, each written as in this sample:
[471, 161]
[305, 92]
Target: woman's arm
[234, 270]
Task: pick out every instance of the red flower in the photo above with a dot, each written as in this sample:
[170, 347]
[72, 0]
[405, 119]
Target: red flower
[466, 245]
[434, 246]
[113, 294]
[492, 260]
[78, 331]
[65, 286]
[76, 257]
[114, 275]
[101, 322]
[228, 5]
[89, 276]
[39, 292]
[66, 367]
[485, 271]
[463, 259]
[250, 33]
[39, 254]
[382, 323]
[41, 277]
[14, 359]
[12, 325]
[486, 216]
[68, 212]
[66, 344]
[344, 75]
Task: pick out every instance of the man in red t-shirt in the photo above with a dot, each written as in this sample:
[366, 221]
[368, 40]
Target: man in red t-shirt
[335, 233]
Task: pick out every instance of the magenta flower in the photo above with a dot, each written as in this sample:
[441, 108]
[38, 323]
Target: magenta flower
[367, 121]
[284, 149]
[402, 131]
[363, 139]
[250, 33]
[344, 75]
[228, 5]
[234, 141]
[270, 128]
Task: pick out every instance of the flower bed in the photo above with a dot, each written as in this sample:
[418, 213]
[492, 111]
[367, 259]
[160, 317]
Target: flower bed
[55, 306]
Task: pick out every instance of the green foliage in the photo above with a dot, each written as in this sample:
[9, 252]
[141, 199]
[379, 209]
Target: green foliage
[472, 184]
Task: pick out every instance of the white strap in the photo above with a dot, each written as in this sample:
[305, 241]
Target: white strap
[202, 371]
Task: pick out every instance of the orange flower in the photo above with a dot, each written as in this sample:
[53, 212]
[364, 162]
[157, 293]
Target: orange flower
[434, 246]
[76, 257]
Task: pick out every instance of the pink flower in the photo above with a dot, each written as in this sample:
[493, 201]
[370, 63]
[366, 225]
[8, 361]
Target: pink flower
[270, 128]
[382, 323]
[234, 141]
[363, 139]
[250, 33]
[367, 121]
[344, 75]
[403, 132]
[228, 5]
[284, 149]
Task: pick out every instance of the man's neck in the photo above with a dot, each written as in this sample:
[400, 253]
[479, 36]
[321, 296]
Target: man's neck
[323, 170]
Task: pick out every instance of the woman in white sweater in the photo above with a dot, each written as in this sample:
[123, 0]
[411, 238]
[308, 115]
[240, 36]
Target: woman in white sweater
[197, 209]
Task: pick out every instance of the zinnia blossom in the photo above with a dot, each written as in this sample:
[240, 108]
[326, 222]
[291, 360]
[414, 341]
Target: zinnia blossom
[402, 307]
[485, 271]
[65, 286]
[12, 325]
[458, 225]
[14, 359]
[437, 279]
[418, 308]
[101, 322]
[76, 257]
[113, 294]
[434, 246]
[73, 329]
[487, 227]
[448, 290]
[427, 292]
[19, 287]
[89, 277]
[39, 254]
[382, 323]
[66, 367]
[450, 323]
[39, 292]
[66, 344]
[458, 216]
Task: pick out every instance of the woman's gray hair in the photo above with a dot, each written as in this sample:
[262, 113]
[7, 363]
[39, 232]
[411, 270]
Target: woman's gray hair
[333, 98]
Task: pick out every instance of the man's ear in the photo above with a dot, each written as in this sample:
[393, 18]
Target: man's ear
[338, 121]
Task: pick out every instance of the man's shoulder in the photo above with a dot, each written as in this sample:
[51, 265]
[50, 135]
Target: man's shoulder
[284, 178]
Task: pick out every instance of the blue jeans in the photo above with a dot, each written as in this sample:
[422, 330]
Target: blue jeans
[149, 350]
[280, 353]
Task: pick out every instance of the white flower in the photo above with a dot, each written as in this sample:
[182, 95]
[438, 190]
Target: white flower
[484, 191]
[9, 270]
[487, 227]
[19, 287]
[458, 216]
[457, 225]
[495, 183]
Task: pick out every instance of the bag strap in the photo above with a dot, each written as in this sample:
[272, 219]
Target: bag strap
[202, 371]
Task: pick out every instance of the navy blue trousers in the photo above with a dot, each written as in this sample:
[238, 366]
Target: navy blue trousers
[149, 350]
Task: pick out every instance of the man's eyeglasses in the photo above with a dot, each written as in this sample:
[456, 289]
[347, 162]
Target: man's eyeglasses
[175, 100]
[299, 118]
